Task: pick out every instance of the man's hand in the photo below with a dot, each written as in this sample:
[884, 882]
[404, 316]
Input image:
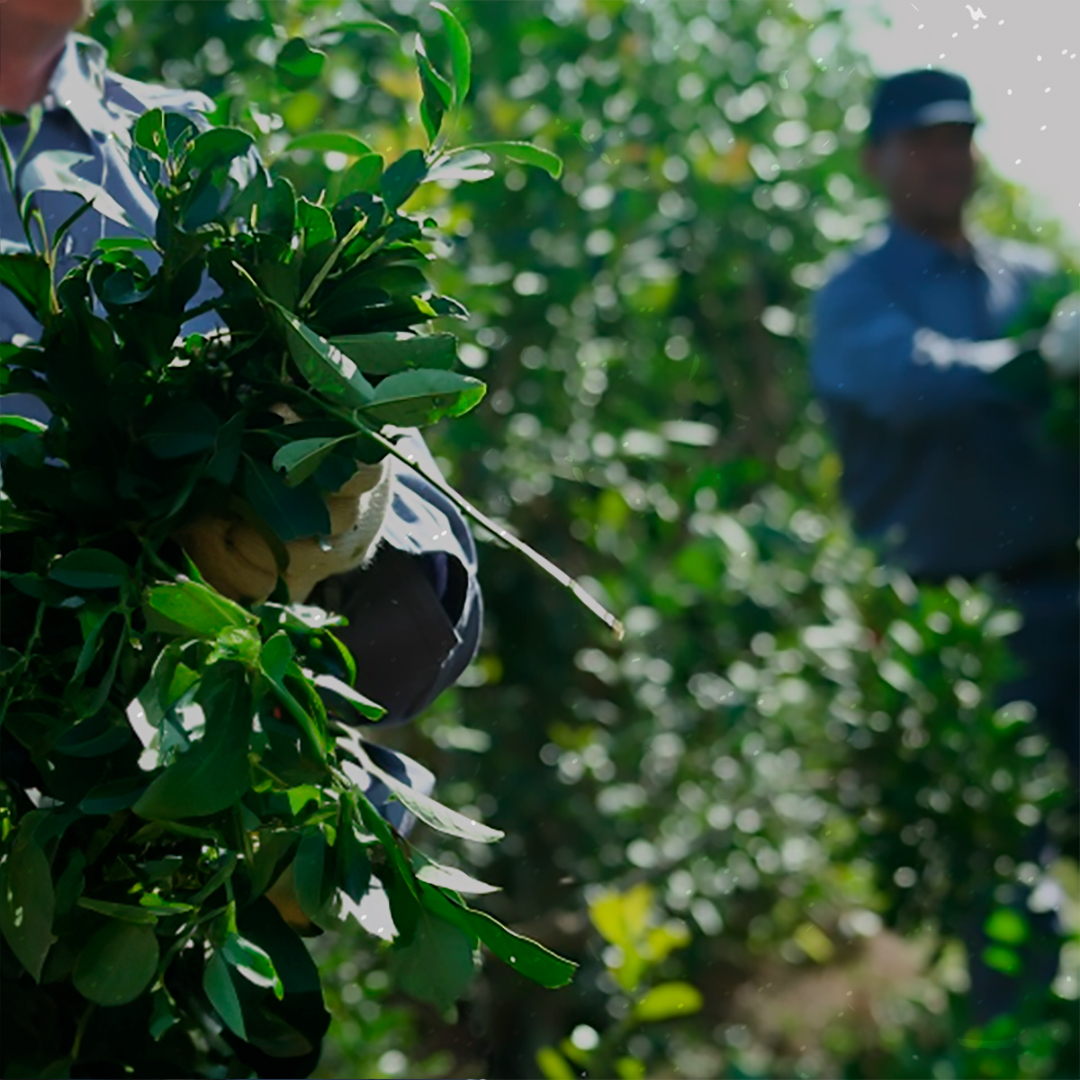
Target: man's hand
[236, 559]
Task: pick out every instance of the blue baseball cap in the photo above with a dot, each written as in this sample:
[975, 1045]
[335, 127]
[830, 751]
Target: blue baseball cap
[917, 99]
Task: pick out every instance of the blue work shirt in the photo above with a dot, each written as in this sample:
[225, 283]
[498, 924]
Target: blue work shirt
[415, 610]
[943, 466]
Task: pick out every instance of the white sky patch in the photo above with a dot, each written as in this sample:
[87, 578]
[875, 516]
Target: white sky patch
[1030, 131]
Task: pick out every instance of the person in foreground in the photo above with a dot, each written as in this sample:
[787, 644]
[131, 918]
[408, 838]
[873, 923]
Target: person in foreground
[937, 398]
[400, 563]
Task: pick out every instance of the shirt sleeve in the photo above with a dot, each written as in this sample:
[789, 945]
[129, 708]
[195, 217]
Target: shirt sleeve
[415, 610]
[869, 353]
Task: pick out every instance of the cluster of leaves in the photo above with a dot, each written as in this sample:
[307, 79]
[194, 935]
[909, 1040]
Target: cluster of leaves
[762, 748]
[173, 758]
[638, 945]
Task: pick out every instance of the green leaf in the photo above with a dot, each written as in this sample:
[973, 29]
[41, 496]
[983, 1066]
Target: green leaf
[437, 965]
[388, 354]
[124, 912]
[20, 423]
[196, 608]
[460, 52]
[340, 141]
[276, 663]
[1007, 926]
[463, 165]
[326, 367]
[437, 93]
[301, 459]
[222, 464]
[317, 225]
[166, 907]
[214, 773]
[162, 1013]
[360, 24]
[553, 1065]
[90, 568]
[335, 687]
[276, 654]
[239, 643]
[314, 886]
[526, 154]
[403, 177]
[215, 149]
[252, 963]
[27, 902]
[416, 398]
[291, 512]
[363, 175]
[186, 428]
[278, 214]
[449, 877]
[93, 737]
[630, 1068]
[149, 133]
[353, 862]
[180, 130]
[28, 277]
[218, 984]
[668, 1000]
[113, 795]
[123, 243]
[300, 796]
[298, 64]
[116, 964]
[433, 813]
[402, 888]
[523, 954]
[1002, 959]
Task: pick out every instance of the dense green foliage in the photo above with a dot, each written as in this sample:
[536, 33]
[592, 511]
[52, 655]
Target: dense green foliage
[760, 820]
[177, 765]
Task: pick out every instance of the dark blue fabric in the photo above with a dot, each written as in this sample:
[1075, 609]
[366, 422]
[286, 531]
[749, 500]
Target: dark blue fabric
[946, 470]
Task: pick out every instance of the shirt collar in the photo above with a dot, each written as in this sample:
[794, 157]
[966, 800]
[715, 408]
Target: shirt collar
[78, 85]
[920, 252]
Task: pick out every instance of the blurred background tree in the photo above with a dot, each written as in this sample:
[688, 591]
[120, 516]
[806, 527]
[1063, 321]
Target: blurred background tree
[793, 766]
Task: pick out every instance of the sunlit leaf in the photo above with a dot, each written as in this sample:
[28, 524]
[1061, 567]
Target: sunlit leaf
[449, 877]
[668, 1000]
[526, 154]
[387, 354]
[460, 52]
[338, 141]
[214, 773]
[523, 954]
[196, 608]
[417, 398]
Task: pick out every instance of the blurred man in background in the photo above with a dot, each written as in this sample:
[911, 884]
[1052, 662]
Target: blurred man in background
[934, 356]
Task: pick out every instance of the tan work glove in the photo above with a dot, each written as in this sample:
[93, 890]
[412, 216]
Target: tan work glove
[234, 557]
